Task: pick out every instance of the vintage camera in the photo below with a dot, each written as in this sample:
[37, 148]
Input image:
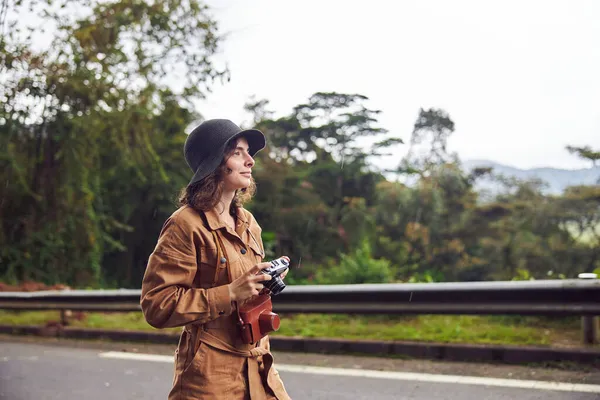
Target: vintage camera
[278, 267]
[256, 317]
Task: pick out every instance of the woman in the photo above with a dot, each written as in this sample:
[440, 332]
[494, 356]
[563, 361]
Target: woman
[207, 260]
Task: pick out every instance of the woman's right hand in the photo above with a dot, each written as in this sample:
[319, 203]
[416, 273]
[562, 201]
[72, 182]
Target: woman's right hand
[249, 285]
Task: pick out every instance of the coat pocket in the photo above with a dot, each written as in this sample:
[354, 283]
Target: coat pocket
[197, 358]
[185, 352]
[189, 384]
[211, 269]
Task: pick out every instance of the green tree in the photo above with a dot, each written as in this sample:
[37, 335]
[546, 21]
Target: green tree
[579, 216]
[81, 118]
[315, 184]
[429, 142]
[586, 153]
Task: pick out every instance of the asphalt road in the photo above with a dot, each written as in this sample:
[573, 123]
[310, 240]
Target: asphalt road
[33, 371]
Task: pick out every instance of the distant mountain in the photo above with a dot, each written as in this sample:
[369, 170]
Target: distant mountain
[557, 179]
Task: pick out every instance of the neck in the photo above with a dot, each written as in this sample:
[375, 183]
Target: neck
[225, 202]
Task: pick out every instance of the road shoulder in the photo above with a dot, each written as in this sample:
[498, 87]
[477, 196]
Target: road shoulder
[558, 372]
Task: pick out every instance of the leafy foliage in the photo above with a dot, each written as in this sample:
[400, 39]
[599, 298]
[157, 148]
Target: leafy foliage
[356, 267]
[91, 132]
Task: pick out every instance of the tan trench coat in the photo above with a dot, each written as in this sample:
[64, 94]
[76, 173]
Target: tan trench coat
[185, 285]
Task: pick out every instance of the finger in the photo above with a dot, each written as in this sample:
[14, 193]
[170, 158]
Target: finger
[258, 267]
[262, 266]
[261, 277]
[253, 270]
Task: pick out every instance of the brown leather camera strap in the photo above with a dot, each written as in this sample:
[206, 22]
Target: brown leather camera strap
[222, 254]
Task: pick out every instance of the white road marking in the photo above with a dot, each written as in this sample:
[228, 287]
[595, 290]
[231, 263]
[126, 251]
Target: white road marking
[404, 376]
[136, 356]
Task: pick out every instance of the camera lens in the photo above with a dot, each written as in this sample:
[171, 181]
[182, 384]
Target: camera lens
[275, 285]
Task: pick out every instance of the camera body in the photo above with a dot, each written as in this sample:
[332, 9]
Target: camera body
[278, 267]
[256, 316]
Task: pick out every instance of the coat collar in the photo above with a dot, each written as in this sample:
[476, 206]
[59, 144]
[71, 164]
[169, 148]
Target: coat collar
[214, 222]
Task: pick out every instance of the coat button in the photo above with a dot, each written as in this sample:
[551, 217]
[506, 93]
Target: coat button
[223, 260]
[243, 251]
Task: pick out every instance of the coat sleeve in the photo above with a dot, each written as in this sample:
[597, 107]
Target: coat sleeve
[168, 298]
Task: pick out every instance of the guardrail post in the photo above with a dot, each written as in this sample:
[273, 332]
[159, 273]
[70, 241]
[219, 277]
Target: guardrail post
[64, 317]
[589, 323]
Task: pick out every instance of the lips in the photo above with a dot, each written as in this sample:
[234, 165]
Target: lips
[246, 174]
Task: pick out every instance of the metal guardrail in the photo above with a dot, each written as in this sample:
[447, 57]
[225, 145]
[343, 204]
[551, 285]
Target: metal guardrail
[551, 298]
[565, 297]
[575, 297]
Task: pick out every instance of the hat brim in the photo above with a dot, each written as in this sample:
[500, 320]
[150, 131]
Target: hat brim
[256, 142]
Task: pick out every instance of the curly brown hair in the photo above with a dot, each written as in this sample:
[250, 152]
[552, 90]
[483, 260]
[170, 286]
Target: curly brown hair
[205, 194]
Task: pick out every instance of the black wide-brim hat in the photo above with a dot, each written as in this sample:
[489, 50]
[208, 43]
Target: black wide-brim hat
[205, 146]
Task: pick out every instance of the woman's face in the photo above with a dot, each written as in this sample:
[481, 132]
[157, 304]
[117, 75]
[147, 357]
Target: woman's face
[238, 166]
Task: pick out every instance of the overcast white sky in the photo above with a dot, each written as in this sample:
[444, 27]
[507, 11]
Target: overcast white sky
[521, 79]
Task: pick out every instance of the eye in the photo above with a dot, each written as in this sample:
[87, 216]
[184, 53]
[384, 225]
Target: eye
[237, 153]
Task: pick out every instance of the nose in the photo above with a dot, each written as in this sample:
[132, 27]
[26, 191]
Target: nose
[250, 161]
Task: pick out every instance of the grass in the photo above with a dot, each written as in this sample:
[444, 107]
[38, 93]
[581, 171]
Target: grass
[510, 330]
[437, 328]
